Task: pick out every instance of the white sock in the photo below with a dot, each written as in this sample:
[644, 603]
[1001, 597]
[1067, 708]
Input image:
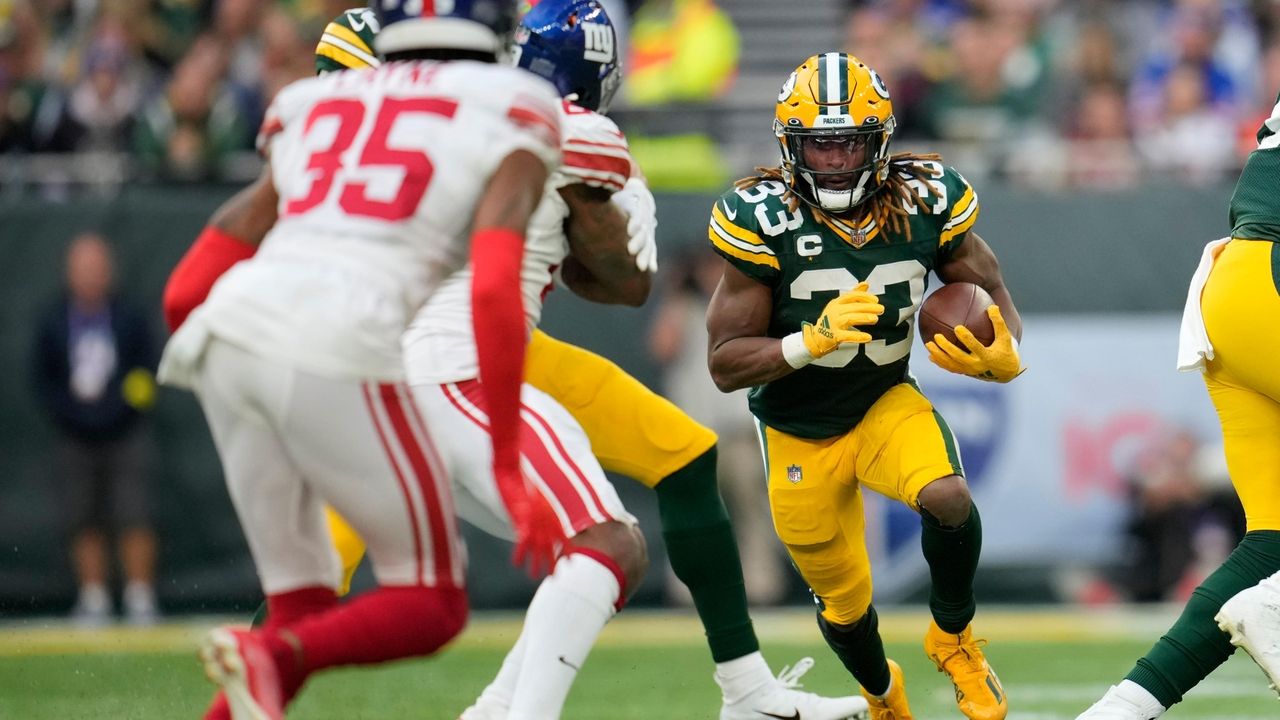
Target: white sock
[569, 610]
[499, 692]
[1140, 696]
[95, 598]
[741, 676]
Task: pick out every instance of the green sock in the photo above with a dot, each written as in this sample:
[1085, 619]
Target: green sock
[952, 554]
[1194, 646]
[704, 555]
[861, 650]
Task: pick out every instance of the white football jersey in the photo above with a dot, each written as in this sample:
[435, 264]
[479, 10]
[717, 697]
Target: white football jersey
[440, 345]
[379, 173]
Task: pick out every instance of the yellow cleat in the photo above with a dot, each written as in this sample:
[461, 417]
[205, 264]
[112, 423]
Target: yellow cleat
[978, 690]
[893, 706]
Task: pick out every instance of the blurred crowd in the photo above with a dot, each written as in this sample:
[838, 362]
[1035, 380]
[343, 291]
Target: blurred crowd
[1087, 93]
[1081, 93]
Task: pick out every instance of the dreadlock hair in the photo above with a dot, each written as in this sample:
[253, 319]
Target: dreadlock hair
[887, 203]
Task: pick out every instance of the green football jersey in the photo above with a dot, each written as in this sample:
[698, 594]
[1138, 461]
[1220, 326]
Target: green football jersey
[809, 258]
[348, 42]
[1255, 204]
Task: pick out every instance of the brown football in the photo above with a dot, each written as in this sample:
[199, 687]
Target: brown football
[958, 303]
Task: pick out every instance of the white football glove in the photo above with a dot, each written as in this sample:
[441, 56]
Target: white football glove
[642, 222]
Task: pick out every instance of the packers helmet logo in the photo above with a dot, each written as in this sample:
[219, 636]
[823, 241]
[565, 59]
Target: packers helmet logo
[788, 87]
[877, 84]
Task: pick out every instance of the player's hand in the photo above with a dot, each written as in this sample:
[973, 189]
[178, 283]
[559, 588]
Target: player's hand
[539, 536]
[835, 326]
[642, 222]
[997, 362]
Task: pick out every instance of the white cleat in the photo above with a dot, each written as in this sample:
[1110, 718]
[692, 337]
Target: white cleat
[239, 662]
[782, 699]
[1252, 621]
[485, 708]
[1114, 706]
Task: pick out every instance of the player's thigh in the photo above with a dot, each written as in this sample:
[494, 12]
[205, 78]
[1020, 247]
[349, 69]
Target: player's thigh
[555, 456]
[282, 518]
[633, 430]
[1241, 306]
[367, 449]
[903, 444]
[1251, 439]
[817, 513]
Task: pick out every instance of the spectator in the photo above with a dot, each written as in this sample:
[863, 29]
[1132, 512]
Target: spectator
[1190, 139]
[187, 132]
[678, 342]
[1103, 156]
[93, 371]
[98, 112]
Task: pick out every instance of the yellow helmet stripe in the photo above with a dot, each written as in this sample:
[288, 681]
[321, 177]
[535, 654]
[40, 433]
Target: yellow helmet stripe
[734, 251]
[351, 55]
[345, 33]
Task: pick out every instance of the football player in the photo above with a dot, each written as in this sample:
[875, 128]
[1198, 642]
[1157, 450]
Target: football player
[1230, 333]
[827, 262]
[296, 357]
[630, 429]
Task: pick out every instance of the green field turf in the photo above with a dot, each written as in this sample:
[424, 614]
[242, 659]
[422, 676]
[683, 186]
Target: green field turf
[648, 665]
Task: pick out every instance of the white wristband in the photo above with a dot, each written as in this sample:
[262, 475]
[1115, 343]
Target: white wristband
[795, 352]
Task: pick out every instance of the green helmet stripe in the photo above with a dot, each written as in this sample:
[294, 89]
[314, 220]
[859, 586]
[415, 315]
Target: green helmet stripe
[845, 90]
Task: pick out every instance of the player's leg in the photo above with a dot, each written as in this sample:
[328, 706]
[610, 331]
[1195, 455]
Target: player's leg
[356, 448]
[907, 452]
[817, 512]
[637, 433]
[1246, 393]
[588, 584]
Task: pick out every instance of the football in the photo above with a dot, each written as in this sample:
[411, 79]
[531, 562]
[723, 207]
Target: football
[958, 303]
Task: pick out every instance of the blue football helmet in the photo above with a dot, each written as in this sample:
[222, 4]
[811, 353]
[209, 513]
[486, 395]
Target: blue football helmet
[480, 25]
[572, 43]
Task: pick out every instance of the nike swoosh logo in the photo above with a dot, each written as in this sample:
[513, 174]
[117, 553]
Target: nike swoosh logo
[732, 214]
[576, 669]
[796, 716]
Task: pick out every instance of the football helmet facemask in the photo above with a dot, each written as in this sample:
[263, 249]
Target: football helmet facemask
[834, 96]
[571, 43]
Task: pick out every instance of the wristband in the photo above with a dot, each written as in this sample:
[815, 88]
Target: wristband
[795, 352]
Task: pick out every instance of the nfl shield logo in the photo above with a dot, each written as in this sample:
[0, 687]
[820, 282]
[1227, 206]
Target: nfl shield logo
[858, 238]
[794, 474]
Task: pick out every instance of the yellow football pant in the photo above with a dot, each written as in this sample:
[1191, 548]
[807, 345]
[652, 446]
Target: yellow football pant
[633, 430]
[815, 491]
[1242, 315]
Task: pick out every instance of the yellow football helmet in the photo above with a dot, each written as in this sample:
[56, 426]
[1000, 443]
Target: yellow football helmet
[834, 96]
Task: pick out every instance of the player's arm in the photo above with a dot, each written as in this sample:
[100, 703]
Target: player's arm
[974, 262]
[740, 352]
[498, 321]
[600, 267]
[233, 234]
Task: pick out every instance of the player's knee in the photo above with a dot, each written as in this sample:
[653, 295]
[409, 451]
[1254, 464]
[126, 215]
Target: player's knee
[624, 544]
[948, 500]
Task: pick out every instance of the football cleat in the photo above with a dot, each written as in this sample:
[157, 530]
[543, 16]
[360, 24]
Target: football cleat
[893, 705]
[1115, 706]
[239, 662]
[1251, 618]
[485, 708]
[783, 699]
[978, 691]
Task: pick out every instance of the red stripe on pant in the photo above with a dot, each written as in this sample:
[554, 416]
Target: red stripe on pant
[404, 485]
[441, 541]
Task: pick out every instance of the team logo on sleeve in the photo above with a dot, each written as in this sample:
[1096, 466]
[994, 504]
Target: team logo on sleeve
[794, 474]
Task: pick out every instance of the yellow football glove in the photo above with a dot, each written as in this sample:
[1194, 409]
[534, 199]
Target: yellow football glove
[835, 326]
[997, 362]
